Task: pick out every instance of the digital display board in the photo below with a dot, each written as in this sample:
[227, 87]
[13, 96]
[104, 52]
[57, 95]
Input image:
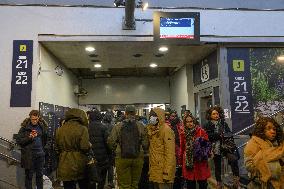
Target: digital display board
[180, 28]
[177, 27]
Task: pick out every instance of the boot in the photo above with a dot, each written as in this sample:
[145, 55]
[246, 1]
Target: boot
[219, 185]
[236, 182]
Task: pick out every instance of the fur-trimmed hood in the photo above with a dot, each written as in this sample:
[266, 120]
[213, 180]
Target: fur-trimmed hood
[41, 122]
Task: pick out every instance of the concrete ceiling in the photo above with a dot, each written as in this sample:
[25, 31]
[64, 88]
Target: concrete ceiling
[124, 58]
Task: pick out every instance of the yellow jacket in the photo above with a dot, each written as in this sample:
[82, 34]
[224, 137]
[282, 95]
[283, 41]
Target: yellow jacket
[262, 161]
[162, 160]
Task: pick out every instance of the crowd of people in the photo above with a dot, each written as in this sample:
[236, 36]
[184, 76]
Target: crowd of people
[161, 152]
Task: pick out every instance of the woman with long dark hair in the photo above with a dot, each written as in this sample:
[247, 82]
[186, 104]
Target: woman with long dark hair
[220, 136]
[195, 150]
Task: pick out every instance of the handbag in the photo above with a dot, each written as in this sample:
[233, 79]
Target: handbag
[255, 183]
[229, 148]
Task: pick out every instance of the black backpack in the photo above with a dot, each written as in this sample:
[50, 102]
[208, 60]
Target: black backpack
[130, 139]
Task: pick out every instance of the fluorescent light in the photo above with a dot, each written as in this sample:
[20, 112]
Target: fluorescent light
[153, 65]
[163, 49]
[97, 65]
[145, 6]
[280, 58]
[90, 49]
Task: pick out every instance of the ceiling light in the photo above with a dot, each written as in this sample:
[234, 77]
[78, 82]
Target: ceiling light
[97, 65]
[141, 4]
[163, 49]
[90, 49]
[153, 65]
[145, 6]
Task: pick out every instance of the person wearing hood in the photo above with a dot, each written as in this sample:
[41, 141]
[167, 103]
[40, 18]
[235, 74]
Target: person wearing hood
[129, 140]
[98, 137]
[162, 157]
[32, 138]
[72, 144]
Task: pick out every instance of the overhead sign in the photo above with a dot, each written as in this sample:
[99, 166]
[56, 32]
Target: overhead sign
[21, 84]
[240, 88]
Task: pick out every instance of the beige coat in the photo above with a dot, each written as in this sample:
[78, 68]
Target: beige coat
[162, 158]
[260, 156]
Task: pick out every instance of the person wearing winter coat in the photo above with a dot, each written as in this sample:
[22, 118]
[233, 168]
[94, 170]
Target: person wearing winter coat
[195, 151]
[176, 125]
[108, 122]
[32, 138]
[129, 140]
[264, 155]
[217, 130]
[162, 159]
[98, 137]
[72, 144]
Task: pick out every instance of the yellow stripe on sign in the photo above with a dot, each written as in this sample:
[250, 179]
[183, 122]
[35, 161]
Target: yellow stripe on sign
[23, 48]
[238, 65]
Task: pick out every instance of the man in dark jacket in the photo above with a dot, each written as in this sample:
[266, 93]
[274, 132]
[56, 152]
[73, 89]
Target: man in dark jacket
[98, 138]
[108, 122]
[32, 140]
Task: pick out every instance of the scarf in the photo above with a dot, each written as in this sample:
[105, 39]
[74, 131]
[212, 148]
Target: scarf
[174, 126]
[189, 138]
[216, 145]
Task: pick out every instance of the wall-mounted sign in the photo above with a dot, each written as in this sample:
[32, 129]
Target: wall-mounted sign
[205, 73]
[205, 70]
[21, 84]
[240, 88]
[177, 27]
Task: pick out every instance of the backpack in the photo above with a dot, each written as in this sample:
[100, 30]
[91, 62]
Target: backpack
[130, 139]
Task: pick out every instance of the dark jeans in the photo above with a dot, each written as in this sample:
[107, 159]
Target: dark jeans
[235, 167]
[217, 165]
[37, 167]
[144, 179]
[110, 175]
[191, 184]
[178, 182]
[101, 184]
[83, 184]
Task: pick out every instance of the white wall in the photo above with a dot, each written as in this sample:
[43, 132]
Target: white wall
[27, 23]
[178, 88]
[54, 89]
[190, 86]
[126, 90]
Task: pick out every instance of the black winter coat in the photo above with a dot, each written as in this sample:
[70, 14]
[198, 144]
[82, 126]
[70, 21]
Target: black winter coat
[98, 137]
[213, 136]
[26, 143]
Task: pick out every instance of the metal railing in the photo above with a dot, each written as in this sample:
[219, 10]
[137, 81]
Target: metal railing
[10, 160]
[10, 143]
[250, 126]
